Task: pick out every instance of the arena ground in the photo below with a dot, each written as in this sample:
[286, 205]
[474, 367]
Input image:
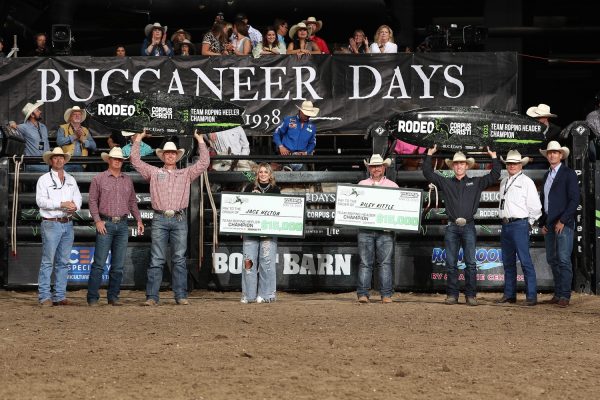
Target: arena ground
[316, 346]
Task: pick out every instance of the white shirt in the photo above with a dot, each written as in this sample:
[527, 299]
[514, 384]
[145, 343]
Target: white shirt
[50, 192]
[521, 199]
[234, 139]
[388, 48]
[548, 184]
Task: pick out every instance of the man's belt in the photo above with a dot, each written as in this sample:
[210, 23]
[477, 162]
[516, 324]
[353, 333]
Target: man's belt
[509, 220]
[114, 220]
[62, 220]
[462, 221]
[170, 213]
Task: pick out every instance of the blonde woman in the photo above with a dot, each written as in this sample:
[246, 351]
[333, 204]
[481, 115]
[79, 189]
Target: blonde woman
[384, 41]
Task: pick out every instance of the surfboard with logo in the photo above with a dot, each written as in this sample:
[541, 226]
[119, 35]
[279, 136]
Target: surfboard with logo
[467, 129]
[165, 113]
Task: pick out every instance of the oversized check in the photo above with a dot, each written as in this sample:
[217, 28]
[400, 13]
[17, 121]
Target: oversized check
[379, 208]
[262, 214]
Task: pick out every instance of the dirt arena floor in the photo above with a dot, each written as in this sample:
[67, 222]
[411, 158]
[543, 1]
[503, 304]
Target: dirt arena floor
[316, 346]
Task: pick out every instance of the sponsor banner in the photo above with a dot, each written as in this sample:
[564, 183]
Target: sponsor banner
[352, 91]
[80, 265]
[262, 214]
[379, 208]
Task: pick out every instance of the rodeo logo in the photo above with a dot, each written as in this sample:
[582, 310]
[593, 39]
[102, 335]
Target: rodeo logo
[80, 265]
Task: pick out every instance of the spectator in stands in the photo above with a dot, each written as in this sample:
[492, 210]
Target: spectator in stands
[384, 41]
[111, 199]
[374, 245]
[170, 196]
[243, 45]
[116, 139]
[179, 36]
[41, 48]
[301, 44]
[2, 55]
[593, 118]
[145, 149]
[156, 43]
[35, 134]
[358, 43]
[282, 29]
[409, 164]
[58, 197]
[259, 279]
[213, 43]
[542, 113]
[75, 139]
[254, 35]
[230, 142]
[315, 26]
[184, 48]
[297, 135]
[270, 45]
[120, 51]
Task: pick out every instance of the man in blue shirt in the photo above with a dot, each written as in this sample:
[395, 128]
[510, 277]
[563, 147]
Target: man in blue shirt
[297, 135]
[35, 134]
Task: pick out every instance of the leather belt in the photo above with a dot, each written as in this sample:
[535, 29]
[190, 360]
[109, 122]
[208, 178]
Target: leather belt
[462, 221]
[114, 220]
[509, 220]
[62, 220]
[170, 213]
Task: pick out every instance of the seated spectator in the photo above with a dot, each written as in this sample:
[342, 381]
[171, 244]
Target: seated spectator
[185, 48]
[297, 135]
[315, 26]
[2, 55]
[542, 113]
[75, 139]
[254, 35]
[282, 29]
[120, 51]
[384, 41]
[270, 45]
[408, 164]
[145, 150]
[358, 43]
[41, 48]
[156, 43]
[115, 139]
[231, 141]
[301, 44]
[179, 36]
[213, 43]
[243, 45]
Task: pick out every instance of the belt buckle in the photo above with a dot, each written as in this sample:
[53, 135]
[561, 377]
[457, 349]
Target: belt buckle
[169, 213]
[460, 221]
[116, 220]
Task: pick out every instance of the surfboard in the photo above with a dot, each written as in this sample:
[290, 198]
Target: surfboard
[165, 113]
[467, 129]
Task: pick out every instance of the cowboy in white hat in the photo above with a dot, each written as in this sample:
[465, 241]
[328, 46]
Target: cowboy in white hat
[461, 198]
[170, 194]
[111, 199]
[297, 135]
[35, 134]
[560, 199]
[373, 243]
[74, 138]
[58, 198]
[156, 43]
[315, 26]
[519, 209]
[542, 113]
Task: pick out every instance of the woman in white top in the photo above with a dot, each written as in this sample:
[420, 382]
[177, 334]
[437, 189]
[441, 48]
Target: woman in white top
[270, 44]
[243, 46]
[384, 41]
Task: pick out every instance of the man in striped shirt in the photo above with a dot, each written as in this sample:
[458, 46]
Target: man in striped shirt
[170, 194]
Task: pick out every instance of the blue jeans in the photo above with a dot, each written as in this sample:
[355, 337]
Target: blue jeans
[57, 241]
[515, 242]
[559, 247]
[165, 230]
[261, 278]
[114, 240]
[455, 238]
[379, 245]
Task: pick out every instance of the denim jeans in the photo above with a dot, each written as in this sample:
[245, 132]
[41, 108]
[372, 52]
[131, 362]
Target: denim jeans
[559, 247]
[114, 240]
[261, 278]
[57, 241]
[379, 245]
[455, 238]
[165, 230]
[515, 242]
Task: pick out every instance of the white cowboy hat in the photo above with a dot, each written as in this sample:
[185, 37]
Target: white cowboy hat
[150, 27]
[554, 145]
[127, 134]
[69, 111]
[29, 108]
[314, 20]
[294, 28]
[185, 33]
[308, 109]
[542, 110]
[514, 156]
[460, 156]
[57, 151]
[178, 46]
[376, 159]
[170, 146]
[115, 152]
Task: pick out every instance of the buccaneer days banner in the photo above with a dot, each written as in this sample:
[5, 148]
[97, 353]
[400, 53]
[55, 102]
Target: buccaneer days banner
[352, 91]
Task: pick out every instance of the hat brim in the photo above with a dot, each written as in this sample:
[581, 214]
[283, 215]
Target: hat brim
[524, 161]
[294, 29]
[187, 35]
[160, 154]
[386, 163]
[48, 155]
[150, 27]
[563, 150]
[106, 156]
[470, 162]
[533, 113]
[35, 107]
[319, 24]
[69, 111]
[309, 112]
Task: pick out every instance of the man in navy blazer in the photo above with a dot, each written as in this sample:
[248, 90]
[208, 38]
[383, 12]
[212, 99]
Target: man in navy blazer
[560, 199]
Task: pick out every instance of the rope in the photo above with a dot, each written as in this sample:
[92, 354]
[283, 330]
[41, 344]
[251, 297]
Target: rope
[15, 206]
[215, 241]
[201, 211]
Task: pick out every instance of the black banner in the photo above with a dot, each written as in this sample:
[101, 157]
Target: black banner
[352, 91]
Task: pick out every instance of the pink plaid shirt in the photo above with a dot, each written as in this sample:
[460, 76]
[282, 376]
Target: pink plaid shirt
[112, 196]
[170, 189]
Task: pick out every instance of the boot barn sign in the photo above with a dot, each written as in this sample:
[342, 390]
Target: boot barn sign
[352, 91]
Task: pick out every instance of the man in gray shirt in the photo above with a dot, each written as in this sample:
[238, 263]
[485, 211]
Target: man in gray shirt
[35, 134]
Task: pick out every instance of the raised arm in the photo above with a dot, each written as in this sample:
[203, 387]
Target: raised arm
[142, 167]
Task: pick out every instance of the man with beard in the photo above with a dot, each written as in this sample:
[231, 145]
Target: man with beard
[35, 134]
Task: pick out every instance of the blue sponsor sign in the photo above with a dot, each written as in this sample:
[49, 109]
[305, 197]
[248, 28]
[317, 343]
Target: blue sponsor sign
[485, 257]
[80, 265]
